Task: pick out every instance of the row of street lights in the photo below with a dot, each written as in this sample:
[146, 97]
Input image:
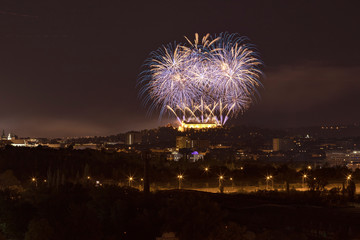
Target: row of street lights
[305, 176]
[180, 178]
[221, 178]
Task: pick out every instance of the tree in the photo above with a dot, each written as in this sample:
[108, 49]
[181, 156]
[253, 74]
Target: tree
[192, 216]
[351, 189]
[8, 180]
[39, 229]
[231, 231]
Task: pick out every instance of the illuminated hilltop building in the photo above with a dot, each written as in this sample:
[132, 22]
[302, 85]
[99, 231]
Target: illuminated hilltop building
[197, 126]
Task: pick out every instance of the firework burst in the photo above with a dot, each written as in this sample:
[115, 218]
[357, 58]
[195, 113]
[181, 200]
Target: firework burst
[207, 80]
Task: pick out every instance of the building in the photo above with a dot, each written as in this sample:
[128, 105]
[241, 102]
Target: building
[13, 140]
[183, 142]
[3, 136]
[198, 126]
[9, 137]
[353, 165]
[92, 146]
[196, 156]
[19, 143]
[186, 142]
[283, 144]
[174, 156]
[343, 158]
[197, 143]
[132, 138]
[24, 142]
[54, 145]
[276, 144]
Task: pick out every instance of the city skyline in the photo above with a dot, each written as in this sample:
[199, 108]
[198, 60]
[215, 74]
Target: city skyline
[179, 120]
[70, 69]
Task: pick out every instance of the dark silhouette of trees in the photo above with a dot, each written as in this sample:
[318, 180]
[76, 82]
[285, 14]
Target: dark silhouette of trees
[39, 229]
[351, 190]
[192, 215]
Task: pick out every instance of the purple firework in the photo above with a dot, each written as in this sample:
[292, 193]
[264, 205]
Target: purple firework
[202, 81]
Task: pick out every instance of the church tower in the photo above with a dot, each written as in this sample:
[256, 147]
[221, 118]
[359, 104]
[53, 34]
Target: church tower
[3, 136]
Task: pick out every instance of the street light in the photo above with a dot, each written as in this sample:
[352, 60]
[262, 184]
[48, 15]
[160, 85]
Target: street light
[130, 180]
[269, 178]
[232, 182]
[221, 187]
[304, 176]
[141, 185]
[348, 179]
[34, 180]
[309, 167]
[180, 178]
[207, 170]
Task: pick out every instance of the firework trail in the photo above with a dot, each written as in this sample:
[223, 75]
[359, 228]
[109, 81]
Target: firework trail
[207, 80]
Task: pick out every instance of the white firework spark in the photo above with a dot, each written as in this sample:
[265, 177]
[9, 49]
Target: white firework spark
[207, 81]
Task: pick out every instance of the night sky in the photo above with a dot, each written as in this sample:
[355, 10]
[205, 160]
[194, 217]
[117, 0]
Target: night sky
[69, 68]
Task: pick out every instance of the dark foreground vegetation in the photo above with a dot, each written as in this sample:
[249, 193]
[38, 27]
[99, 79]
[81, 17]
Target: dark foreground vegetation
[53, 194]
[111, 212]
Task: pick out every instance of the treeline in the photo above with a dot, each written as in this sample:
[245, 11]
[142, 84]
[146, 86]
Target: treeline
[53, 167]
[43, 162]
[112, 212]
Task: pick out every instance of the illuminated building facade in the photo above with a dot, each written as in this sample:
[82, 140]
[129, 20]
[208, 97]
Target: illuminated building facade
[197, 126]
[341, 158]
[183, 142]
[282, 144]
